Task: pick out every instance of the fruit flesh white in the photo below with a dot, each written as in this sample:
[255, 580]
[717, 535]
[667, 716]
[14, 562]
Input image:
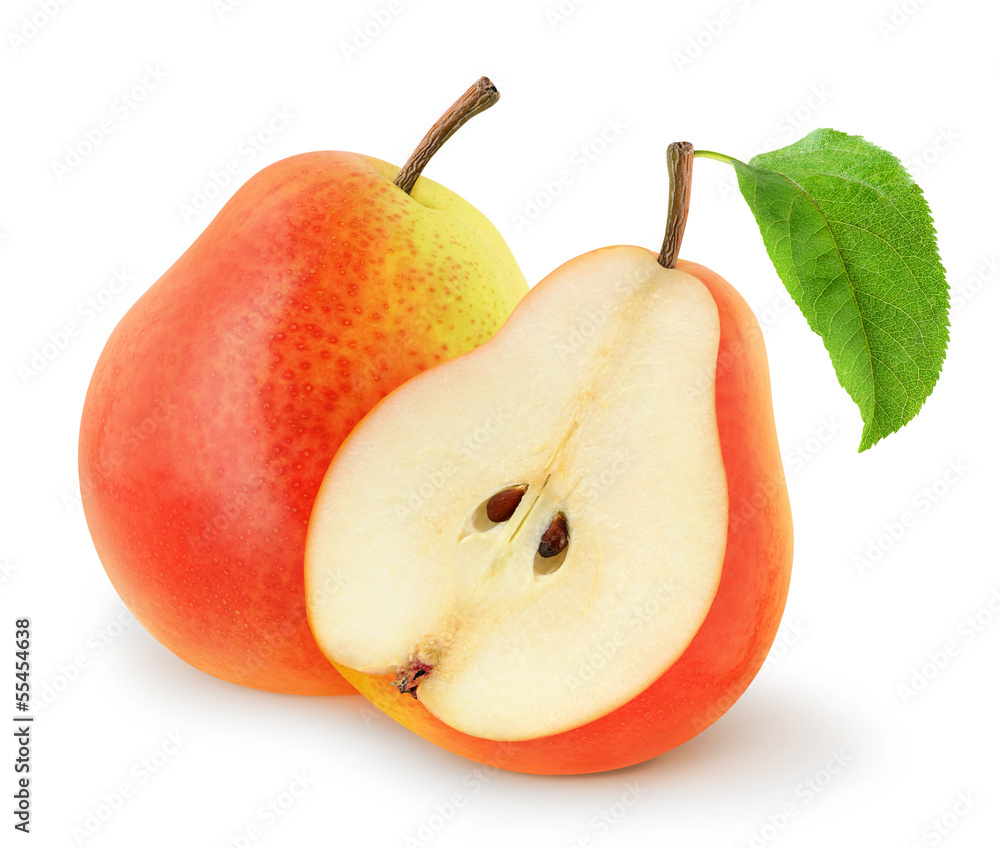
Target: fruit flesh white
[221, 397]
[599, 394]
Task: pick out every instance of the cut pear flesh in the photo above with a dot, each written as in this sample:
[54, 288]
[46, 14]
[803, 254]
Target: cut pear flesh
[598, 395]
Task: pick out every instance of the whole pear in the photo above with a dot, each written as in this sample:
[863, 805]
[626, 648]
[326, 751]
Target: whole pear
[224, 392]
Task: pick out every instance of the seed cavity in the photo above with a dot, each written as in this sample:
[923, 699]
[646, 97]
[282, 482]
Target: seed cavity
[556, 538]
[504, 503]
[408, 678]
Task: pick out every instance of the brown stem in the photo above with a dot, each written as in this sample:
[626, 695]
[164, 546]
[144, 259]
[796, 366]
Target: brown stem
[480, 96]
[680, 157]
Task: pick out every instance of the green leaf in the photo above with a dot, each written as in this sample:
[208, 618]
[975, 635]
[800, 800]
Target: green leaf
[853, 241]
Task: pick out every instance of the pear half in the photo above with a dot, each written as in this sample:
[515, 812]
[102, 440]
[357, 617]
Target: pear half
[597, 401]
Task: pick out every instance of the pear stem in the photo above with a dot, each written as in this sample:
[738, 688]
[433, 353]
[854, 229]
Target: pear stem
[680, 158]
[718, 157]
[480, 96]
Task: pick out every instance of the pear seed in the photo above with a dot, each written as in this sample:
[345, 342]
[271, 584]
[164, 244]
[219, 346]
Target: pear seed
[556, 538]
[504, 503]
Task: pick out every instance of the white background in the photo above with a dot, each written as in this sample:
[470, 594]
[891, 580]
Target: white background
[866, 609]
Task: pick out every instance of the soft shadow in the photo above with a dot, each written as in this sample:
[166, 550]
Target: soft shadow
[770, 736]
[773, 734]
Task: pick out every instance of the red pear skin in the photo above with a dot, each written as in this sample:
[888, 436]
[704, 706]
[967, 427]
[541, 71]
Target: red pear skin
[732, 642]
[222, 395]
